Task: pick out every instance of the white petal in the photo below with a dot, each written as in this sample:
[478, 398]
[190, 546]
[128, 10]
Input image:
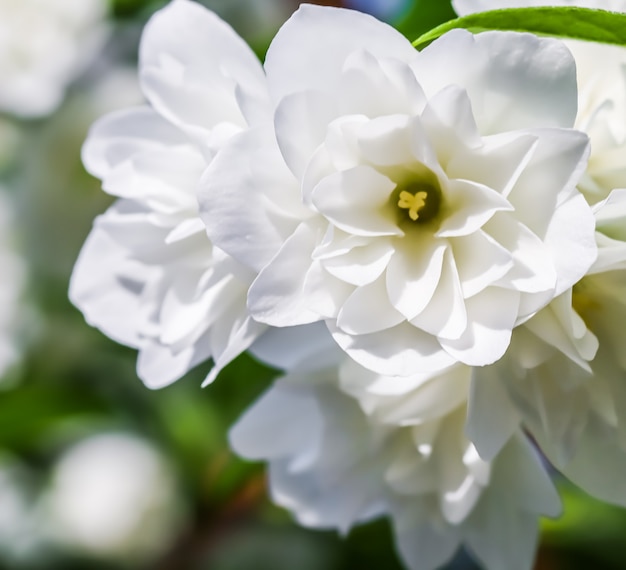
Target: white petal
[386, 141]
[569, 238]
[550, 177]
[301, 121]
[421, 545]
[239, 339]
[399, 351]
[260, 433]
[101, 295]
[520, 472]
[497, 163]
[361, 265]
[514, 81]
[368, 310]
[310, 49]
[533, 268]
[414, 272]
[249, 201]
[480, 261]
[599, 465]
[501, 537]
[293, 289]
[445, 315]
[301, 348]
[560, 326]
[357, 201]
[378, 87]
[471, 206]
[491, 418]
[450, 124]
[194, 68]
[159, 366]
[491, 316]
[122, 134]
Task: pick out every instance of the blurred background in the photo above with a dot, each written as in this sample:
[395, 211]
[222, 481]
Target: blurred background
[97, 471]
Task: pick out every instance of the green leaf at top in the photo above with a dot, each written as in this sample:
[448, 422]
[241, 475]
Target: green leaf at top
[572, 23]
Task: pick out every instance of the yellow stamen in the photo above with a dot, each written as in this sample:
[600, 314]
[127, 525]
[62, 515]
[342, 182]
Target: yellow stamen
[412, 202]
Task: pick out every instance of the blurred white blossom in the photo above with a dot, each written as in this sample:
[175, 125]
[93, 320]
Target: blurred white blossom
[44, 45]
[422, 203]
[115, 496]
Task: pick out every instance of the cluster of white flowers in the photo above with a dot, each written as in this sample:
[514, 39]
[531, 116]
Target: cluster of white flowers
[423, 241]
[44, 44]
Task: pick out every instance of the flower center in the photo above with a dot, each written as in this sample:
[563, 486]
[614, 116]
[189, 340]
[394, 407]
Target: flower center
[419, 201]
[413, 202]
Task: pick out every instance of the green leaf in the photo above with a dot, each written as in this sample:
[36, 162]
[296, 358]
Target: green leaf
[573, 23]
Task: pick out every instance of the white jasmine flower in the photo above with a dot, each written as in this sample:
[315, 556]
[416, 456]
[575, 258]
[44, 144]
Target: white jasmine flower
[44, 44]
[113, 496]
[397, 448]
[148, 276]
[428, 201]
[11, 285]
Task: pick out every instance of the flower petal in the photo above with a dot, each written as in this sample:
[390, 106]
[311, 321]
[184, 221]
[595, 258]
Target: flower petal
[491, 316]
[294, 290]
[249, 201]
[357, 201]
[399, 351]
[368, 310]
[301, 57]
[514, 81]
[414, 272]
[195, 69]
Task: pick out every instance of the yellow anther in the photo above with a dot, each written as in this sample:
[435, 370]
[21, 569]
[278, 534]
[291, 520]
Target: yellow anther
[412, 202]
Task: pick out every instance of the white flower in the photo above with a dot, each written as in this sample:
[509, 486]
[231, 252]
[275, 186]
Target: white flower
[429, 203]
[11, 286]
[115, 496]
[397, 448]
[148, 276]
[44, 44]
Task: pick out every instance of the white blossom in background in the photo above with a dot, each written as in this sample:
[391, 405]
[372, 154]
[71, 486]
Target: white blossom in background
[360, 446]
[44, 45]
[113, 495]
[421, 204]
[12, 272]
[148, 276]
